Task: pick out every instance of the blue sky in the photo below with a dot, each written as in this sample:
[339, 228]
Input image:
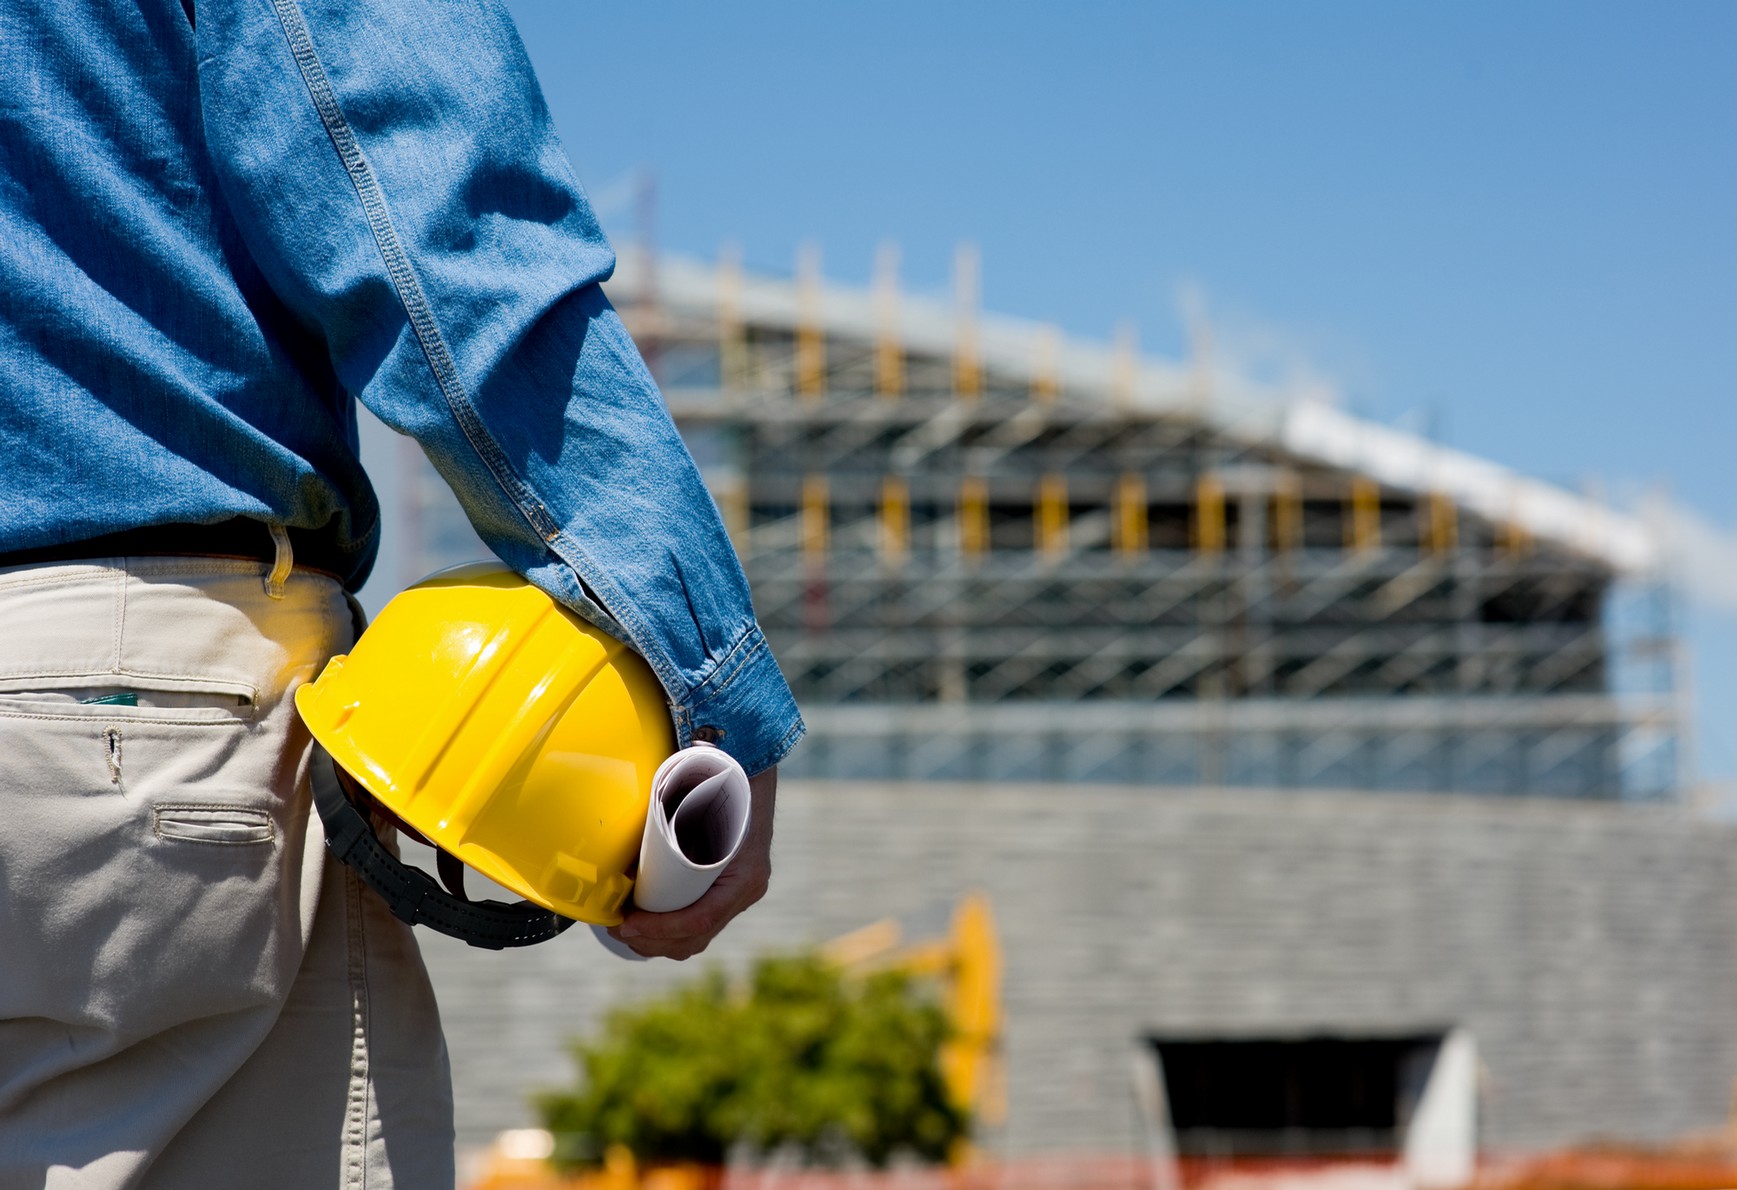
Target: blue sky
[1511, 225]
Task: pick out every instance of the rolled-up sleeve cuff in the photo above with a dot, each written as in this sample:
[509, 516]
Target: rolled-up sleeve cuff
[745, 706]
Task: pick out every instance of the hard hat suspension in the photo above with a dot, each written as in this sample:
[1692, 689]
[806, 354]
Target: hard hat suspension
[411, 893]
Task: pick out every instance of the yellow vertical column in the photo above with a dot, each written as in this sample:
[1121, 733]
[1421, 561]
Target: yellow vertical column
[967, 357]
[810, 333]
[889, 343]
[816, 518]
[1128, 523]
[1363, 530]
[1052, 516]
[974, 517]
[1442, 527]
[1287, 514]
[1209, 515]
[895, 520]
[1512, 540]
[1046, 370]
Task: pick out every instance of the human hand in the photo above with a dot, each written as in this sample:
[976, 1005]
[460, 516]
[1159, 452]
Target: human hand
[684, 933]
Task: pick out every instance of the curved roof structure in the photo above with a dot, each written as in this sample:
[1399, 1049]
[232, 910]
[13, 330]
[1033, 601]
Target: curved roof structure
[1299, 419]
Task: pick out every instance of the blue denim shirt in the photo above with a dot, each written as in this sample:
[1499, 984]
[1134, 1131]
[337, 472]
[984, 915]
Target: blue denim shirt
[222, 221]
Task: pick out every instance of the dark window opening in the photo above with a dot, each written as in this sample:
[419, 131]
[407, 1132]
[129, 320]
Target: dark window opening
[1294, 1096]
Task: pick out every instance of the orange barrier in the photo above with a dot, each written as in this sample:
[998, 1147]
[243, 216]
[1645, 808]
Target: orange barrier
[1607, 1168]
[1057, 1173]
[1616, 1168]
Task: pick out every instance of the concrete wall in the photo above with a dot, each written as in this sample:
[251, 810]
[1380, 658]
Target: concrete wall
[1591, 949]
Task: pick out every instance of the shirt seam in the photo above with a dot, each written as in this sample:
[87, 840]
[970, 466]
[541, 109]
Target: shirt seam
[434, 348]
[190, 677]
[153, 720]
[397, 262]
[729, 665]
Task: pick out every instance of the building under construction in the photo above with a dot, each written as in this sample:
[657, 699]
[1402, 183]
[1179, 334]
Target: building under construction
[1141, 649]
[984, 552]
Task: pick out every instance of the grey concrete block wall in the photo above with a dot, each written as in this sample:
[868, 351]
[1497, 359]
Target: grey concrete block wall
[1591, 949]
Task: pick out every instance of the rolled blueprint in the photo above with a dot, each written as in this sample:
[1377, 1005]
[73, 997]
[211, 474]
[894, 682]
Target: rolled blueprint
[694, 826]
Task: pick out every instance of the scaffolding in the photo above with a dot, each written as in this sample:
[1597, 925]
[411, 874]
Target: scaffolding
[982, 552]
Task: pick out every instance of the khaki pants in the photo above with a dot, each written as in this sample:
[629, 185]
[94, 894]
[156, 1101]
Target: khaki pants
[191, 995]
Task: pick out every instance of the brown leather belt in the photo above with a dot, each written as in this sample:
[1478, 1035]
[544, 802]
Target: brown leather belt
[240, 537]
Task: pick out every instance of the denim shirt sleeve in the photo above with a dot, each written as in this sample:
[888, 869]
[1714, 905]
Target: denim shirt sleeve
[397, 179]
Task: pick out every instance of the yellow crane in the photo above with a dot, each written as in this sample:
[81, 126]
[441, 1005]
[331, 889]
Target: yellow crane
[967, 961]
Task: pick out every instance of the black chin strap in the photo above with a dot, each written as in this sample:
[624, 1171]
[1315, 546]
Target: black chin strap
[411, 893]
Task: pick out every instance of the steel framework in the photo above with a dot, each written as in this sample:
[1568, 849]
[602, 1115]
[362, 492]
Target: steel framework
[982, 553]
[971, 572]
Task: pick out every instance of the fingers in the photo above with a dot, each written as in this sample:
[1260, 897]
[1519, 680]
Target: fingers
[687, 932]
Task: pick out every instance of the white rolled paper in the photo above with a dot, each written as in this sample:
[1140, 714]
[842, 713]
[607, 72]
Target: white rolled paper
[695, 825]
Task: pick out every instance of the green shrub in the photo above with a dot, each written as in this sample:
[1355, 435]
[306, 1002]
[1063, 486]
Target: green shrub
[804, 1057]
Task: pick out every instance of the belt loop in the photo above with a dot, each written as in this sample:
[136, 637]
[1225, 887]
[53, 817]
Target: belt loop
[274, 582]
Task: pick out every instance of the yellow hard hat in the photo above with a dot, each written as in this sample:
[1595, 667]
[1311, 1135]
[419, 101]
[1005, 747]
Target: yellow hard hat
[511, 734]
